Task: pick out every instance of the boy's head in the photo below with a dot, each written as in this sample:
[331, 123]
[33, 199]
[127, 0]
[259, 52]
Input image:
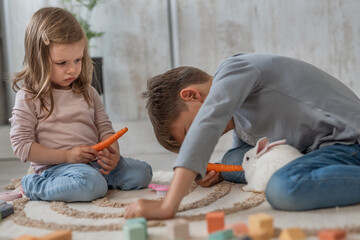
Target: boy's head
[165, 103]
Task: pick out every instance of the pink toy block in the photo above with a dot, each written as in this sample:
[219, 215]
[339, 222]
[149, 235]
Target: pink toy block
[177, 229]
[238, 229]
[161, 190]
[57, 235]
[332, 234]
[215, 221]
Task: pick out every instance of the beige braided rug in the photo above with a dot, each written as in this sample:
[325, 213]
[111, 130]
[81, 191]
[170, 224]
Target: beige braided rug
[103, 218]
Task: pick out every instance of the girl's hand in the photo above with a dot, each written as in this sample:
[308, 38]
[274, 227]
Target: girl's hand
[109, 159]
[80, 154]
[211, 178]
[149, 209]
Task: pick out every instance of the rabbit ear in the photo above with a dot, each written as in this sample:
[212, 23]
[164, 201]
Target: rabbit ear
[280, 142]
[262, 146]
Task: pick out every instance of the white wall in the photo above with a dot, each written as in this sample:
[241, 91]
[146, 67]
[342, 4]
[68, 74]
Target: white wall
[135, 46]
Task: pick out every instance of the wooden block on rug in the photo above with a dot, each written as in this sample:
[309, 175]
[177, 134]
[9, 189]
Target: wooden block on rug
[259, 224]
[26, 237]
[140, 220]
[221, 235]
[134, 231]
[215, 221]
[332, 234]
[177, 229]
[6, 210]
[57, 235]
[292, 234]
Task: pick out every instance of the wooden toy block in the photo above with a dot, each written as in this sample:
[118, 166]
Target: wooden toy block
[140, 220]
[215, 221]
[57, 235]
[6, 210]
[292, 234]
[332, 234]
[238, 229]
[260, 223]
[134, 231]
[177, 229]
[222, 235]
[26, 237]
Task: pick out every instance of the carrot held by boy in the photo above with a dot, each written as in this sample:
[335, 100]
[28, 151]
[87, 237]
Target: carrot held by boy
[223, 167]
[107, 142]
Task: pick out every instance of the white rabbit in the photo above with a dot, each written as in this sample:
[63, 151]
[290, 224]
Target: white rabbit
[263, 160]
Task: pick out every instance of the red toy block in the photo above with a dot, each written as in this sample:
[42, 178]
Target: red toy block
[57, 235]
[332, 234]
[215, 221]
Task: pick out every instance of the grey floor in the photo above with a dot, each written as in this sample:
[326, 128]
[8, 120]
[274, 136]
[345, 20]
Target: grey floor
[139, 143]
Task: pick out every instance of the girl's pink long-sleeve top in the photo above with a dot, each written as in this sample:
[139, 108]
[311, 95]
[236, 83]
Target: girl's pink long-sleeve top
[71, 123]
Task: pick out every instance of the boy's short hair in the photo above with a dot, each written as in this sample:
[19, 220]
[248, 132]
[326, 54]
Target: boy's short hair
[164, 103]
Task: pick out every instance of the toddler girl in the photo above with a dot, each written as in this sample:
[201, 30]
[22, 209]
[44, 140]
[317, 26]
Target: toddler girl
[58, 115]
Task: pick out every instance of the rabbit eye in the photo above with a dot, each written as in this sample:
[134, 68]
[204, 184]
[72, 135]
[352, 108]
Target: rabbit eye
[247, 158]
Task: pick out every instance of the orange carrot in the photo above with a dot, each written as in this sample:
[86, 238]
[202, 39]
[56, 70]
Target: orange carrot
[107, 142]
[223, 167]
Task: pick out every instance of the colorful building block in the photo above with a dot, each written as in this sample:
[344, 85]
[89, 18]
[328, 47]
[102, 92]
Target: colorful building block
[27, 237]
[332, 234]
[134, 231]
[261, 226]
[6, 210]
[215, 221]
[177, 229]
[140, 220]
[222, 235]
[292, 234]
[57, 235]
[238, 229]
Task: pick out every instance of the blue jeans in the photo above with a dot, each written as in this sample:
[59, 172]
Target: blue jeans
[327, 177]
[84, 182]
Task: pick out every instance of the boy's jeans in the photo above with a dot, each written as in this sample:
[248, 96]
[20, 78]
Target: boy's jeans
[327, 177]
[84, 182]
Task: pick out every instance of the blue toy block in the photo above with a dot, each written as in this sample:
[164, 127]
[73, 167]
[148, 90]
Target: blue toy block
[134, 231]
[222, 235]
[6, 210]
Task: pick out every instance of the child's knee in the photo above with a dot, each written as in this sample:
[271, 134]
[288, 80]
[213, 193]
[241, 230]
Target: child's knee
[280, 193]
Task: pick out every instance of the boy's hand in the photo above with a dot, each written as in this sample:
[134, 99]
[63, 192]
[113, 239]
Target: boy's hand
[149, 209]
[109, 159]
[211, 178]
[80, 154]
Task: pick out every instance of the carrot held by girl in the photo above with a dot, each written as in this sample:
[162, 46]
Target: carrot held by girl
[58, 116]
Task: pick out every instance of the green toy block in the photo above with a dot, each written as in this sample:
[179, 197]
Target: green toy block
[140, 220]
[134, 231]
[222, 235]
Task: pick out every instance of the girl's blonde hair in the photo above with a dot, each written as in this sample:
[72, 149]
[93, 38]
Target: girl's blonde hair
[51, 25]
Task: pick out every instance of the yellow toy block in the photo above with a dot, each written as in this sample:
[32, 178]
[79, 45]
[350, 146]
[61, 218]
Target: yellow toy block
[57, 235]
[260, 223]
[26, 237]
[292, 234]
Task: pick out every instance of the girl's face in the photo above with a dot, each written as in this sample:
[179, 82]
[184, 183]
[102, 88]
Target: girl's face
[66, 63]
